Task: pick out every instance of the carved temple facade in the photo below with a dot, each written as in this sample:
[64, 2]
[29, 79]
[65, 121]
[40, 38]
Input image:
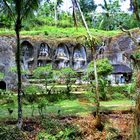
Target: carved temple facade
[61, 53]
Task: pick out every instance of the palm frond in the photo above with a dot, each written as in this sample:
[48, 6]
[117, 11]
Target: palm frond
[29, 7]
[9, 9]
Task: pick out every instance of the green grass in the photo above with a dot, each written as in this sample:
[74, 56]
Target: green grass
[81, 103]
[67, 107]
[52, 31]
[124, 102]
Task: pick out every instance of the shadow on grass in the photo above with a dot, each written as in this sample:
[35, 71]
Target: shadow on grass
[64, 107]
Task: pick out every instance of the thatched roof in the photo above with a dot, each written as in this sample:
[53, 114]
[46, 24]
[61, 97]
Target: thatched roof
[120, 69]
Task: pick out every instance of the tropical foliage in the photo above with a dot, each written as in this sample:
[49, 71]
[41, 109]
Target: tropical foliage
[62, 103]
[48, 11]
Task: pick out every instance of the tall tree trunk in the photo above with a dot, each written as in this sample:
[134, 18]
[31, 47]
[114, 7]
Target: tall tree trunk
[97, 88]
[136, 10]
[83, 18]
[93, 54]
[18, 54]
[107, 9]
[136, 133]
[55, 12]
[46, 86]
[137, 118]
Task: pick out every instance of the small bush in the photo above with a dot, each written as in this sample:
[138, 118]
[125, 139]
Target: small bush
[131, 89]
[103, 96]
[5, 93]
[46, 33]
[126, 90]
[56, 96]
[117, 95]
[64, 24]
[9, 133]
[31, 89]
[31, 98]
[56, 130]
[42, 107]
[119, 89]
[9, 101]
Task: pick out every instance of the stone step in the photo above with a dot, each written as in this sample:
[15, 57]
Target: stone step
[41, 82]
[75, 88]
[36, 80]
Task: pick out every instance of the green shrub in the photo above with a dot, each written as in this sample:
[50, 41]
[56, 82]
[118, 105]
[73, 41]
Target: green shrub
[117, 95]
[46, 33]
[10, 133]
[64, 24]
[4, 93]
[31, 89]
[43, 103]
[126, 90]
[103, 96]
[9, 101]
[59, 95]
[31, 99]
[131, 88]
[103, 89]
[56, 130]
[119, 89]
[90, 96]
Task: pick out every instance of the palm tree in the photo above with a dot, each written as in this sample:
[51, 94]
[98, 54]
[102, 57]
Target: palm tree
[136, 133]
[136, 129]
[57, 4]
[93, 52]
[135, 6]
[19, 10]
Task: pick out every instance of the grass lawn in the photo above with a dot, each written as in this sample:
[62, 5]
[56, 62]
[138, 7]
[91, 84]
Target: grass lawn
[76, 106]
[52, 31]
[74, 117]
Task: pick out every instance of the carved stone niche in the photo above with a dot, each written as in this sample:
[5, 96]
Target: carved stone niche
[62, 56]
[44, 51]
[27, 55]
[44, 54]
[79, 57]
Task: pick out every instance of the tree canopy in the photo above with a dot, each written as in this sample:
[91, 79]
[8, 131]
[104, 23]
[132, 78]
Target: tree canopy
[103, 68]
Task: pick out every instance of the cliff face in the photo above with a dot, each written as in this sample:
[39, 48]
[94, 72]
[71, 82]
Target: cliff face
[7, 60]
[37, 51]
[7, 55]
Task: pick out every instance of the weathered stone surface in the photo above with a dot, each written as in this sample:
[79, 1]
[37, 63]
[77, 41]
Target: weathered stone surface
[11, 80]
[8, 48]
[2, 67]
[7, 59]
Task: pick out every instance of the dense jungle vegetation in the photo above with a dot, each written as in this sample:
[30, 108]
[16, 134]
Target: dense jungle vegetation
[51, 104]
[50, 18]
